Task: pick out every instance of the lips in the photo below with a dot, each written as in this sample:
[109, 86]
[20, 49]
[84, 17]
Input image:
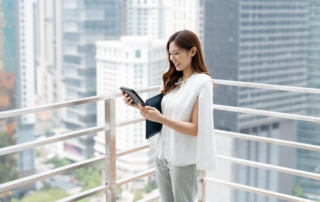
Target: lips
[176, 64]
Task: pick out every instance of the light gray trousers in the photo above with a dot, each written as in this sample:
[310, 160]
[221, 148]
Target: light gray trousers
[175, 183]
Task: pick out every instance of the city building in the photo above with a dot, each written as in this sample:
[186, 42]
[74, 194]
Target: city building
[309, 132]
[82, 24]
[134, 62]
[18, 63]
[160, 19]
[264, 42]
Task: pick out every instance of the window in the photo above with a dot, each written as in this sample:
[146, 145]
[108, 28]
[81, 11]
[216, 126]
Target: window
[138, 54]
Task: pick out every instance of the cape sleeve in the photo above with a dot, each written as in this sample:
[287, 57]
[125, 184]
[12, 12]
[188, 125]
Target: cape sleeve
[206, 143]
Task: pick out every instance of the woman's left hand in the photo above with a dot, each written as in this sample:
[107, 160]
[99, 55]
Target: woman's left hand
[150, 113]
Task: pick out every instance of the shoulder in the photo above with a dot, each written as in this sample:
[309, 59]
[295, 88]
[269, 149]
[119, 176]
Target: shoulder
[202, 78]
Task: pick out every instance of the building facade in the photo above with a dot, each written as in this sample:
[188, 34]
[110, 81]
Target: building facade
[18, 62]
[134, 62]
[264, 42]
[82, 24]
[309, 132]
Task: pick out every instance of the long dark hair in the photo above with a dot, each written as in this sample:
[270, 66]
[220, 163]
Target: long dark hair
[184, 39]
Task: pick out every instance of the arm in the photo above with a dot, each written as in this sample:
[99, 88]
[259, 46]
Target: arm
[190, 128]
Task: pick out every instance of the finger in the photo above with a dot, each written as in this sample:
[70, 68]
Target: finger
[128, 101]
[126, 95]
[142, 113]
[128, 98]
[141, 107]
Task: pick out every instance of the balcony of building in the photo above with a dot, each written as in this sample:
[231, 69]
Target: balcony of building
[112, 181]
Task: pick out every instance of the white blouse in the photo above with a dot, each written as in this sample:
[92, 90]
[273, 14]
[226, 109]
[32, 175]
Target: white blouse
[182, 149]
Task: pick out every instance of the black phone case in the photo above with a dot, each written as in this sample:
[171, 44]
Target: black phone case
[134, 95]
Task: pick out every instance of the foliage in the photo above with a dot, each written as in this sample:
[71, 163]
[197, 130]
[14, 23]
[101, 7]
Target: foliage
[57, 162]
[137, 196]
[84, 200]
[48, 195]
[89, 176]
[46, 187]
[297, 191]
[149, 188]
[8, 163]
[38, 153]
[119, 190]
[14, 200]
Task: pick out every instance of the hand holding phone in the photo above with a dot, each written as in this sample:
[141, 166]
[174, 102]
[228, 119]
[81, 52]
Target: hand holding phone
[133, 98]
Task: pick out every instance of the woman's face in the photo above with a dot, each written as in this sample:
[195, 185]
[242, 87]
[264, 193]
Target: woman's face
[181, 58]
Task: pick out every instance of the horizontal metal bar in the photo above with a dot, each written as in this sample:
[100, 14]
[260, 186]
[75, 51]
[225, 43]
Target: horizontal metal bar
[57, 138]
[268, 140]
[150, 198]
[136, 176]
[132, 150]
[266, 86]
[130, 121]
[85, 194]
[102, 188]
[257, 190]
[267, 113]
[271, 167]
[23, 111]
[18, 112]
[47, 174]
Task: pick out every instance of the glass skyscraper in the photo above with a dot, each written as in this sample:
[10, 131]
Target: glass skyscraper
[18, 57]
[83, 23]
[309, 132]
[261, 41]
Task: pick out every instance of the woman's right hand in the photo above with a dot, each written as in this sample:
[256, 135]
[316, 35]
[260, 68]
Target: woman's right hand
[128, 100]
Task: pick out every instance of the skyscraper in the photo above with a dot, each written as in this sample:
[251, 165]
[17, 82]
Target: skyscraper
[309, 132]
[265, 42]
[17, 61]
[82, 24]
[134, 62]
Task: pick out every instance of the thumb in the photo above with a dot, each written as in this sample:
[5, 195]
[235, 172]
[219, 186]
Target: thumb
[148, 107]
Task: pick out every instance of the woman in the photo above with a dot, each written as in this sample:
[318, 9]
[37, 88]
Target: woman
[186, 142]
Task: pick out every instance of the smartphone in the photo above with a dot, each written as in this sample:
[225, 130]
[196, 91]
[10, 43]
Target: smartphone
[134, 95]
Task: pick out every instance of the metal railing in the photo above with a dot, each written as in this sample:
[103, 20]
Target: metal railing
[111, 154]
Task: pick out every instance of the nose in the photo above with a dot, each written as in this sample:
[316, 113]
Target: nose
[172, 58]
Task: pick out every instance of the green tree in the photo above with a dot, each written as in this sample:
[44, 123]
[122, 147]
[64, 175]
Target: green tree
[137, 196]
[14, 200]
[119, 191]
[57, 162]
[150, 187]
[297, 191]
[48, 195]
[8, 163]
[90, 177]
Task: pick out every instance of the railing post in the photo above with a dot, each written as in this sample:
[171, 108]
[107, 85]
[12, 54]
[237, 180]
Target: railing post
[110, 148]
[201, 187]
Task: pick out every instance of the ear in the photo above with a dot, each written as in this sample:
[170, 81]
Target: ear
[193, 51]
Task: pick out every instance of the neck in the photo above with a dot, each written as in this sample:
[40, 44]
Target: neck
[187, 73]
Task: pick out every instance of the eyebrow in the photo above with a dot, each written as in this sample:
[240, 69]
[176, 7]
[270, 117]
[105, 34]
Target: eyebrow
[173, 51]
